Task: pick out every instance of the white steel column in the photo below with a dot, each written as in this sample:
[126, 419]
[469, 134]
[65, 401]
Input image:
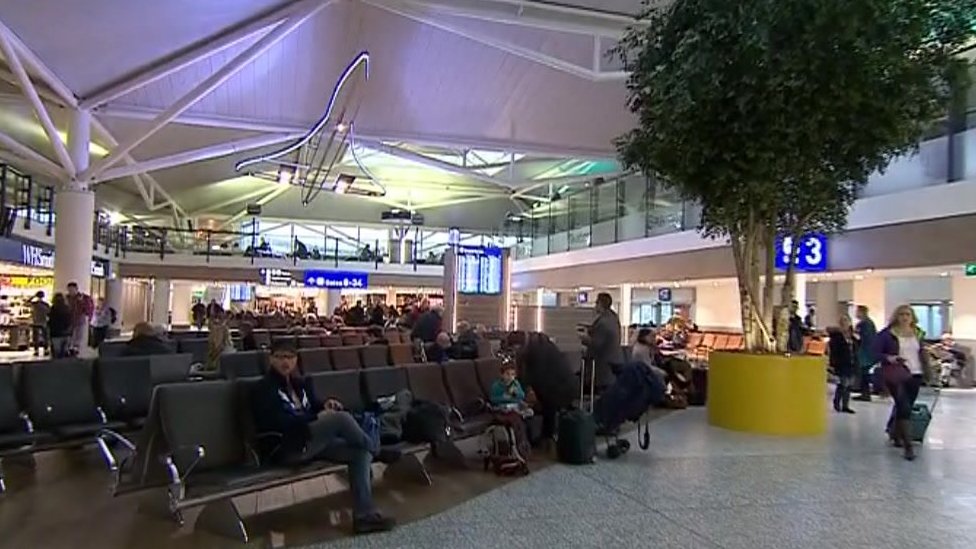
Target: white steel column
[827, 304]
[623, 311]
[74, 210]
[333, 298]
[161, 295]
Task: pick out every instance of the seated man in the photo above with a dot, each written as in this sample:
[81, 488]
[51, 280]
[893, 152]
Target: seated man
[442, 349]
[147, 339]
[285, 403]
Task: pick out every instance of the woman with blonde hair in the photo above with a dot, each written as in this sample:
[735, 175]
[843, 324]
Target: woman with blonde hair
[904, 365]
[218, 343]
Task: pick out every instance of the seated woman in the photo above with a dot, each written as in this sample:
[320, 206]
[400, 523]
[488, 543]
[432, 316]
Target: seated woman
[645, 352]
[285, 403]
[146, 340]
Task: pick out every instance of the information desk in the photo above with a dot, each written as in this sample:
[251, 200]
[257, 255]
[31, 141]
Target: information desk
[768, 394]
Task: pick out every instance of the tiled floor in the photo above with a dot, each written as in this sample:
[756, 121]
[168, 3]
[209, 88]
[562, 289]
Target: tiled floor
[697, 487]
[704, 487]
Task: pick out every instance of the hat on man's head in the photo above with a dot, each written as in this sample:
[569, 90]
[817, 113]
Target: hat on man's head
[284, 346]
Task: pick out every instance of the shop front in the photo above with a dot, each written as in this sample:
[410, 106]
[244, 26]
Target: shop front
[25, 269]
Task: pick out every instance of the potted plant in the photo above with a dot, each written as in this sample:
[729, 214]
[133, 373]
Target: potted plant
[772, 114]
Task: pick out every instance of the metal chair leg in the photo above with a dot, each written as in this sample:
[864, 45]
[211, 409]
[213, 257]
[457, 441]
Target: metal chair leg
[221, 517]
[3, 484]
[409, 466]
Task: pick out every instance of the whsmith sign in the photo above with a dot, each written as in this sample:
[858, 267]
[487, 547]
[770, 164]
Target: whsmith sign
[39, 256]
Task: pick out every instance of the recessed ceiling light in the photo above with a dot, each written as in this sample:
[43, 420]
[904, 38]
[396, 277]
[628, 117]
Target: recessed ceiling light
[816, 280]
[859, 277]
[870, 270]
[944, 274]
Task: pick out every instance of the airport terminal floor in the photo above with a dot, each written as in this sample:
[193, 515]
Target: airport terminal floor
[698, 486]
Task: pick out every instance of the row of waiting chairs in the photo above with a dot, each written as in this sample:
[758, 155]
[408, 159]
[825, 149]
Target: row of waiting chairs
[700, 345]
[199, 440]
[71, 402]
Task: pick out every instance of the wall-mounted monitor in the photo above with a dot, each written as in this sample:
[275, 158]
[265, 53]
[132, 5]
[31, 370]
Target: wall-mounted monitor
[479, 270]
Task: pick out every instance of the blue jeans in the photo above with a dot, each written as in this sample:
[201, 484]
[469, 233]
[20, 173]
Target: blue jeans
[337, 437]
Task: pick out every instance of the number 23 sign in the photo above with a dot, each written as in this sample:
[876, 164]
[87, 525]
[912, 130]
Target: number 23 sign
[811, 256]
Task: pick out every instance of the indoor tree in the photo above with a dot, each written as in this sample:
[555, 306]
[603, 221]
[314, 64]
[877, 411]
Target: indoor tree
[772, 114]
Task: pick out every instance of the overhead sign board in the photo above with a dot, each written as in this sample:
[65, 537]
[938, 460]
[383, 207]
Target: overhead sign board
[336, 280]
[811, 256]
[277, 277]
[664, 295]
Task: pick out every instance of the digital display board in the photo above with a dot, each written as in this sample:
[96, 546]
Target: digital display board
[810, 258]
[479, 270]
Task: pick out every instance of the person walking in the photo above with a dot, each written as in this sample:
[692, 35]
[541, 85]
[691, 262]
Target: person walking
[40, 310]
[865, 336]
[59, 326]
[843, 361]
[105, 316]
[602, 341]
[904, 364]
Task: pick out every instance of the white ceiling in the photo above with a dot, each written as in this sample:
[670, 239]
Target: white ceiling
[464, 74]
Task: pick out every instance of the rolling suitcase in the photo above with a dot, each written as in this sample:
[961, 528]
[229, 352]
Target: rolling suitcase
[921, 417]
[576, 441]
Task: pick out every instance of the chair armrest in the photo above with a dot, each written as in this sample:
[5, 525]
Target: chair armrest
[101, 414]
[197, 452]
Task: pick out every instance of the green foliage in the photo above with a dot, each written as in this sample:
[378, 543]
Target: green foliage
[775, 112]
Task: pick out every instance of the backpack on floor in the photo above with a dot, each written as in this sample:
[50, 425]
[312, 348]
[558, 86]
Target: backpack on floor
[505, 447]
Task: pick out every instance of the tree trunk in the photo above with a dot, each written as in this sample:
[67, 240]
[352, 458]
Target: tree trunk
[769, 284]
[747, 248]
[787, 296]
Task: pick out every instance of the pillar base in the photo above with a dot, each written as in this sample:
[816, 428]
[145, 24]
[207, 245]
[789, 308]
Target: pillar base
[768, 394]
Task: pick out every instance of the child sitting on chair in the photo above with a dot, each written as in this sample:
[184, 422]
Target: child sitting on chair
[507, 394]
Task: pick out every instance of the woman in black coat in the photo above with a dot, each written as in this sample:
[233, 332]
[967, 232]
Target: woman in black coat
[843, 362]
[59, 326]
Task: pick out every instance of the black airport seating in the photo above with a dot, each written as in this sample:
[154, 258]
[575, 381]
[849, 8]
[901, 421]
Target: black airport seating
[199, 442]
[124, 386]
[170, 368]
[346, 358]
[374, 356]
[346, 387]
[384, 382]
[245, 364]
[59, 399]
[196, 347]
[331, 340]
[427, 383]
[401, 354]
[262, 339]
[484, 348]
[16, 431]
[309, 341]
[284, 338]
[315, 360]
[353, 339]
[466, 393]
[393, 337]
[112, 348]
[488, 371]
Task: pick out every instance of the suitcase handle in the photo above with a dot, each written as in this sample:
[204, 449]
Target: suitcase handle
[583, 383]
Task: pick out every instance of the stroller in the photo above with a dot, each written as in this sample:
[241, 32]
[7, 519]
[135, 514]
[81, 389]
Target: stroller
[635, 390]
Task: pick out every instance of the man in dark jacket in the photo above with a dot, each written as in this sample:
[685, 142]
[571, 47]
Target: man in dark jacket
[285, 403]
[146, 340]
[602, 341]
[428, 326]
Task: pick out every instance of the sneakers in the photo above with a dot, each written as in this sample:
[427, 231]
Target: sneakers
[372, 523]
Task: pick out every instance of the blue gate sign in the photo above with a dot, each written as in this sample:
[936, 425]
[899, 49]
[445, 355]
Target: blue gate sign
[336, 280]
[811, 256]
[664, 295]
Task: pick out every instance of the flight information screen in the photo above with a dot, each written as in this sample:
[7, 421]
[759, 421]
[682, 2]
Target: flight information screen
[479, 270]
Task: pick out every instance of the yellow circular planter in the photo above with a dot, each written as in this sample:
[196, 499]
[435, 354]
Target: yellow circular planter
[768, 394]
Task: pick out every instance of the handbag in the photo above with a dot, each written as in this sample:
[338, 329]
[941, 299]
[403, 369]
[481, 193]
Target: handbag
[894, 373]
